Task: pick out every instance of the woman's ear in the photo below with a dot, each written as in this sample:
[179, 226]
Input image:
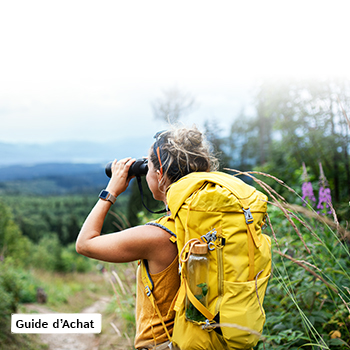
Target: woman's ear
[159, 176]
[163, 181]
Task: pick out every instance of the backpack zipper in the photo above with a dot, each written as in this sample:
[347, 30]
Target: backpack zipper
[220, 275]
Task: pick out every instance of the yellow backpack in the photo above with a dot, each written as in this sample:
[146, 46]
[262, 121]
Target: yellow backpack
[227, 214]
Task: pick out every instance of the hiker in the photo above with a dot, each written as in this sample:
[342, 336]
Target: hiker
[174, 154]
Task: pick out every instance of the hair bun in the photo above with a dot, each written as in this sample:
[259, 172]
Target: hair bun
[188, 138]
[194, 137]
[184, 150]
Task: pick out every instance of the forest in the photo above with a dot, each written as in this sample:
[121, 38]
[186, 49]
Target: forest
[292, 143]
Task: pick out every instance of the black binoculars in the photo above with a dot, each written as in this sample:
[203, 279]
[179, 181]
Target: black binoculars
[138, 168]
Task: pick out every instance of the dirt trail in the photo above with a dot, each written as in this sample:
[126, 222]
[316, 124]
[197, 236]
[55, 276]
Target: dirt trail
[71, 341]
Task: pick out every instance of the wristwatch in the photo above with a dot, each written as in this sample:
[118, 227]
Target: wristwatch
[106, 196]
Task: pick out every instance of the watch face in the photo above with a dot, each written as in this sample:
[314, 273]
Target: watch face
[104, 194]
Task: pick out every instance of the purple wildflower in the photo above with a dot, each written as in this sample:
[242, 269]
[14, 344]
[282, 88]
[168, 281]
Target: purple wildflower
[324, 197]
[307, 190]
[324, 194]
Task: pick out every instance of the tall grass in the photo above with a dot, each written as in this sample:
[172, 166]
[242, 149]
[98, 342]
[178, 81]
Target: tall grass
[119, 323]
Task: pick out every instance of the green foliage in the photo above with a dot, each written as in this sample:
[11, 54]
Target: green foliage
[47, 253]
[12, 242]
[71, 261]
[50, 255]
[44, 179]
[39, 216]
[22, 341]
[307, 301]
[68, 292]
[17, 285]
[61, 215]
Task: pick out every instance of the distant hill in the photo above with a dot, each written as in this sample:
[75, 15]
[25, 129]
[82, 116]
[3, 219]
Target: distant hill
[61, 167]
[52, 178]
[30, 172]
[72, 151]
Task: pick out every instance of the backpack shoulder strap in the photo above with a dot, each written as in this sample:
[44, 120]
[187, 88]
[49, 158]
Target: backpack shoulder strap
[167, 224]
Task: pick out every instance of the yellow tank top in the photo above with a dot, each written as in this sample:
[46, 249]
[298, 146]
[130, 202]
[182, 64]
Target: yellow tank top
[149, 329]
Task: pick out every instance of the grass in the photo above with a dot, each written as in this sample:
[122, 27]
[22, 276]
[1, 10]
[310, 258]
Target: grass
[23, 342]
[119, 320]
[72, 292]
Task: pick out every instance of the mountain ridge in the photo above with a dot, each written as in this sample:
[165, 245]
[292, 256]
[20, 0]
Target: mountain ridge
[71, 152]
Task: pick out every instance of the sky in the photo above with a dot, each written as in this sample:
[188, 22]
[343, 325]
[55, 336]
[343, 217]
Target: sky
[89, 70]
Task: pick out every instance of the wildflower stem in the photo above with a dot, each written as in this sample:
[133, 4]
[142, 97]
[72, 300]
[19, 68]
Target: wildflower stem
[307, 269]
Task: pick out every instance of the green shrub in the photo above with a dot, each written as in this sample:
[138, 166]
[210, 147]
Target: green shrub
[50, 255]
[16, 286]
[46, 254]
[12, 242]
[74, 262]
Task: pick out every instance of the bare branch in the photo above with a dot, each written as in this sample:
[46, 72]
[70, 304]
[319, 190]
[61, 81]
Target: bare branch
[173, 105]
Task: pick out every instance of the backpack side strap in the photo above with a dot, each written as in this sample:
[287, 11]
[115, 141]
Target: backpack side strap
[185, 290]
[148, 283]
[197, 304]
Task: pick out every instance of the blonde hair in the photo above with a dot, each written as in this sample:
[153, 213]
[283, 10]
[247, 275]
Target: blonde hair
[182, 151]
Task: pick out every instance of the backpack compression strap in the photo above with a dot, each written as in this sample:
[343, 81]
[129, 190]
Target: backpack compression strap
[148, 283]
[253, 238]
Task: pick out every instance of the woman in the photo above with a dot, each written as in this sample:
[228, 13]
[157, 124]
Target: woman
[174, 154]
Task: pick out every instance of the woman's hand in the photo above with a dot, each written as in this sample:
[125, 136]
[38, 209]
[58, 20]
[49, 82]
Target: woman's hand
[119, 180]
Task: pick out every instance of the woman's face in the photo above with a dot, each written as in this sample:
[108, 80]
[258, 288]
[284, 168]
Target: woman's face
[153, 177]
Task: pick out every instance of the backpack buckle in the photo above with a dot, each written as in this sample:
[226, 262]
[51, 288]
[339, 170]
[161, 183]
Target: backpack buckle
[148, 291]
[207, 325]
[248, 216]
[210, 238]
